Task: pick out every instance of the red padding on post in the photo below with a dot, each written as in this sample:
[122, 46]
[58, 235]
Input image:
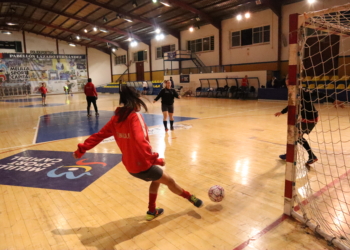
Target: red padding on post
[288, 189]
[291, 115]
[293, 28]
[290, 153]
[292, 74]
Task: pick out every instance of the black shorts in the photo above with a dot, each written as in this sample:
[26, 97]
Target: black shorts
[152, 174]
[145, 88]
[43, 95]
[306, 128]
[169, 108]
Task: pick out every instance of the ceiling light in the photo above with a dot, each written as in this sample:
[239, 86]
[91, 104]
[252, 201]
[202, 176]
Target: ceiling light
[105, 20]
[85, 30]
[129, 39]
[85, 38]
[154, 1]
[157, 30]
[311, 1]
[239, 17]
[103, 30]
[198, 18]
[113, 49]
[134, 4]
[160, 37]
[247, 15]
[6, 32]
[128, 20]
[166, 4]
[118, 16]
[72, 44]
[78, 37]
[11, 23]
[133, 44]
[191, 29]
[95, 28]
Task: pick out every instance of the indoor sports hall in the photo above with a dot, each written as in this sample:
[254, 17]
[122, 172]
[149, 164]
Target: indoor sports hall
[260, 90]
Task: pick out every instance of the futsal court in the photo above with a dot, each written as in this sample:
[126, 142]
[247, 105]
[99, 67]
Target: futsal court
[231, 143]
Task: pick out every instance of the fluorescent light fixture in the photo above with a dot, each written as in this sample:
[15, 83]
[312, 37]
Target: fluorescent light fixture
[104, 31]
[157, 30]
[166, 4]
[72, 44]
[247, 15]
[78, 37]
[128, 20]
[133, 44]
[154, 1]
[311, 1]
[95, 28]
[239, 17]
[11, 23]
[191, 29]
[85, 38]
[85, 30]
[6, 32]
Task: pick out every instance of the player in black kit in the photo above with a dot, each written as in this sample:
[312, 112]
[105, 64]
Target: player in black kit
[167, 94]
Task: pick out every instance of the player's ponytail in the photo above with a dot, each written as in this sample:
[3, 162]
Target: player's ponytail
[130, 98]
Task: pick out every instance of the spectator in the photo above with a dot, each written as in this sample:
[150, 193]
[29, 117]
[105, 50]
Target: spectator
[172, 83]
[59, 65]
[43, 91]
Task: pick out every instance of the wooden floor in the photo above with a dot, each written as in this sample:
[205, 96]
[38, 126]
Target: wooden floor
[232, 143]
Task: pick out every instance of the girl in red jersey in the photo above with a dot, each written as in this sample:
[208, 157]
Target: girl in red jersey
[43, 91]
[131, 134]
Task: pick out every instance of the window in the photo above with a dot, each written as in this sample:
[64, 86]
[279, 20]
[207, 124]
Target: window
[164, 49]
[236, 39]
[203, 44]
[120, 59]
[250, 36]
[140, 56]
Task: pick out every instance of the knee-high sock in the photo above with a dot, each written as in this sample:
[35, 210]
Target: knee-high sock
[171, 123]
[152, 202]
[185, 194]
[307, 147]
[165, 124]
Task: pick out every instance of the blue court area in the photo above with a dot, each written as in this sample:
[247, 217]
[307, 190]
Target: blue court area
[40, 105]
[74, 124]
[22, 100]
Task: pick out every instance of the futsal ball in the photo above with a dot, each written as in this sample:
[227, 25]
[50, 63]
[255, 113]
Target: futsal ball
[216, 193]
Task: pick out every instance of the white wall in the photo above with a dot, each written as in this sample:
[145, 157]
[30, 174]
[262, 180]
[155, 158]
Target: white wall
[40, 43]
[120, 68]
[64, 48]
[300, 8]
[210, 58]
[14, 37]
[251, 53]
[140, 46]
[99, 67]
[194, 78]
[157, 64]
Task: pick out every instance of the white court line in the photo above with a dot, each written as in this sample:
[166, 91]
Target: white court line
[36, 131]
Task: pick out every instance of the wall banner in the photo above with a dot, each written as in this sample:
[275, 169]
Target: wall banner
[55, 70]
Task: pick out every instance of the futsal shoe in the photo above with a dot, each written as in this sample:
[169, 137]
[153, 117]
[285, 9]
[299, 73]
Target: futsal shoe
[171, 128]
[150, 216]
[166, 129]
[195, 201]
[97, 114]
[311, 160]
[88, 115]
[283, 157]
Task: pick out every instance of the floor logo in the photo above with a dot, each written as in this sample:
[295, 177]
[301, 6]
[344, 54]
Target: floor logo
[55, 169]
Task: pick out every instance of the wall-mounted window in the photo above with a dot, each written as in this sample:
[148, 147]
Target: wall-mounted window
[164, 49]
[140, 56]
[247, 37]
[120, 59]
[203, 44]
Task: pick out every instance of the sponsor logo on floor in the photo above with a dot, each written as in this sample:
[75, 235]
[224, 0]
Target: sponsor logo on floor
[55, 169]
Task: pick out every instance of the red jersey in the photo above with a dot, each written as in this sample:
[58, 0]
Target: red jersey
[90, 90]
[244, 82]
[43, 90]
[131, 136]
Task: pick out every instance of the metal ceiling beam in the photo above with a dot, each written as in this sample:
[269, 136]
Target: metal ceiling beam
[81, 34]
[198, 12]
[120, 31]
[133, 17]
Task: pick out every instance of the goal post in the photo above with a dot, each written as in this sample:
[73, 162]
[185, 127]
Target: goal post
[318, 73]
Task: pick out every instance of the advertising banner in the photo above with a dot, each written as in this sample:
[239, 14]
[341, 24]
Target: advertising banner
[56, 71]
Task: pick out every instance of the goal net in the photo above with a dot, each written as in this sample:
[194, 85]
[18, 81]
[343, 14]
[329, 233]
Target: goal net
[321, 191]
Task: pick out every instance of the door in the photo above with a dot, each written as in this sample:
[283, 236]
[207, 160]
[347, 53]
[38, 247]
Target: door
[140, 76]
